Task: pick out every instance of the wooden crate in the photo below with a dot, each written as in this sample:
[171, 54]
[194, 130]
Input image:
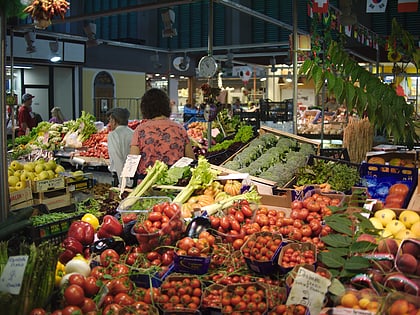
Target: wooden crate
[21, 198]
[48, 184]
[54, 199]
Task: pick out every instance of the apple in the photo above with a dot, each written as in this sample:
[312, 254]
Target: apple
[59, 169]
[12, 180]
[39, 167]
[29, 167]
[51, 174]
[15, 165]
[43, 175]
[20, 185]
[26, 176]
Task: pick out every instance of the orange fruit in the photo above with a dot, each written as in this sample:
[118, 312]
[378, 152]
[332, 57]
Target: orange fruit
[349, 300]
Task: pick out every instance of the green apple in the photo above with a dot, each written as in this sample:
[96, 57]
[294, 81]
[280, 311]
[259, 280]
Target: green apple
[12, 180]
[59, 169]
[18, 173]
[26, 176]
[39, 168]
[10, 172]
[20, 185]
[30, 166]
[16, 165]
[51, 174]
[43, 175]
[52, 164]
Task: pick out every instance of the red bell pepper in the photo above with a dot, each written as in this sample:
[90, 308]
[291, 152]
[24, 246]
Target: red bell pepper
[82, 231]
[72, 247]
[110, 227]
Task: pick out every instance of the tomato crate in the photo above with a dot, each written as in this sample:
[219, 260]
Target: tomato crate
[212, 299]
[263, 267]
[237, 290]
[379, 178]
[191, 264]
[286, 266]
[53, 232]
[146, 280]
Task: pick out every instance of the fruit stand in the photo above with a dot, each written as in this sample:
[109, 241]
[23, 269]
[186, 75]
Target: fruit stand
[217, 238]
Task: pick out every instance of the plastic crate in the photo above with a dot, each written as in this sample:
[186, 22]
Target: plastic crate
[53, 232]
[191, 264]
[379, 178]
[146, 280]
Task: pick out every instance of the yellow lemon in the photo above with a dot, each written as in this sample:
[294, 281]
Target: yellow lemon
[409, 217]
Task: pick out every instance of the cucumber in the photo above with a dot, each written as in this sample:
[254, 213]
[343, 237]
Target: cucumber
[7, 232]
[16, 216]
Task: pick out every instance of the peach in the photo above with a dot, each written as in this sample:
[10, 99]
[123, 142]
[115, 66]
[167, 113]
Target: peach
[407, 263]
[367, 238]
[399, 307]
[409, 247]
[388, 246]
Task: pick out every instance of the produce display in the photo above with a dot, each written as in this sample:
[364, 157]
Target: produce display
[272, 158]
[186, 240]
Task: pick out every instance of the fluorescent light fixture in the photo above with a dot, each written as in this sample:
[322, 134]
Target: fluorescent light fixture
[55, 56]
[20, 67]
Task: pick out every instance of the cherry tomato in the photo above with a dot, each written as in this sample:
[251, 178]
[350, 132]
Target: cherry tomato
[88, 305]
[109, 256]
[91, 287]
[123, 299]
[112, 309]
[71, 310]
[38, 311]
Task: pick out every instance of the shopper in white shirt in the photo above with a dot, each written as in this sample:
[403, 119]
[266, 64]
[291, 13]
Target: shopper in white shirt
[119, 139]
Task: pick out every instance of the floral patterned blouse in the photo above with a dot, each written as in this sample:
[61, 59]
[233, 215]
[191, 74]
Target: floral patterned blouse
[161, 139]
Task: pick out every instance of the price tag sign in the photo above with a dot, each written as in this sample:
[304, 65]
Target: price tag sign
[309, 289]
[12, 276]
[184, 161]
[130, 165]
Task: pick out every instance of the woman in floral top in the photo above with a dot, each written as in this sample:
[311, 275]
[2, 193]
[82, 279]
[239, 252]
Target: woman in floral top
[158, 137]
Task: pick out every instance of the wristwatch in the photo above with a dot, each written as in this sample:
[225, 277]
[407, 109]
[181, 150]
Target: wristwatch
[207, 67]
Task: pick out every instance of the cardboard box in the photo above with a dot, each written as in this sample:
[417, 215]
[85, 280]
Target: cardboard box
[404, 156]
[48, 184]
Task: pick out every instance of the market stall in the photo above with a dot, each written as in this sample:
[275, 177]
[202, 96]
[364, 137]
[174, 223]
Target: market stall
[207, 238]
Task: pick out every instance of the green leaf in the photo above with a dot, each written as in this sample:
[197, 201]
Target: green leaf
[331, 259]
[356, 263]
[331, 78]
[318, 79]
[339, 88]
[337, 240]
[305, 67]
[339, 223]
[362, 247]
[338, 250]
[336, 287]
[350, 93]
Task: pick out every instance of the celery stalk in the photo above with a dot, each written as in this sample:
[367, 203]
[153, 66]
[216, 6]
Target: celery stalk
[251, 196]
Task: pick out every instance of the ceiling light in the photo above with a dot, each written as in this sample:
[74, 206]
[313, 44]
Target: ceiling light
[55, 56]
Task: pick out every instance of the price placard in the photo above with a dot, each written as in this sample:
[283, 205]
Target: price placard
[130, 165]
[308, 289]
[12, 276]
[184, 161]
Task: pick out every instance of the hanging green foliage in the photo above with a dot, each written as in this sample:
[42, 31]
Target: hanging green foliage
[13, 8]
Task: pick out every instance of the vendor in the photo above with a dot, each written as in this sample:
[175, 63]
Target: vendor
[119, 140]
[26, 118]
[158, 137]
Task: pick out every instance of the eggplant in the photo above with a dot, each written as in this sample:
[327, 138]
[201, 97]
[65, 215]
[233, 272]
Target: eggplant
[107, 243]
[196, 226]
[127, 236]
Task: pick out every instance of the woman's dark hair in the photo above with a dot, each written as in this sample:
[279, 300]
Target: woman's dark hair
[155, 103]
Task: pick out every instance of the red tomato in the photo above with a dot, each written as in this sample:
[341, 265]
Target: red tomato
[71, 310]
[296, 204]
[119, 270]
[112, 309]
[57, 312]
[109, 256]
[78, 279]
[400, 189]
[88, 305]
[155, 216]
[186, 243]
[91, 287]
[123, 299]
[74, 295]
[118, 285]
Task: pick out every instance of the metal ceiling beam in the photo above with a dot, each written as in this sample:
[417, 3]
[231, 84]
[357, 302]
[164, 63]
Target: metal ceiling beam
[259, 15]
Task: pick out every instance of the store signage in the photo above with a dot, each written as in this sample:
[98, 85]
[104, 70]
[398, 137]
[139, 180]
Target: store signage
[12, 276]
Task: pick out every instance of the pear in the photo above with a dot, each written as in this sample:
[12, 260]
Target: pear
[385, 216]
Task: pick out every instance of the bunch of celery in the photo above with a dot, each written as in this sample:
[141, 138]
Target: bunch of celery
[202, 176]
[154, 173]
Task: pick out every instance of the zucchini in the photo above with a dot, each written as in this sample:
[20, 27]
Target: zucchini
[7, 232]
[16, 216]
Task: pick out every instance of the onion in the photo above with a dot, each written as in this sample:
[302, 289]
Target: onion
[79, 266]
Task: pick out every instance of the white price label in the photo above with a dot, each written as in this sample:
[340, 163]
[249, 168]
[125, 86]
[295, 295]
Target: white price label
[130, 165]
[184, 161]
[309, 289]
[12, 276]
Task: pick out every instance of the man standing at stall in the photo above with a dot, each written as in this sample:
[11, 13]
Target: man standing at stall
[26, 118]
[119, 139]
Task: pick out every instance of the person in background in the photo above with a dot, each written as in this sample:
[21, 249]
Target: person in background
[119, 140]
[26, 118]
[189, 112]
[236, 106]
[158, 137]
[57, 116]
